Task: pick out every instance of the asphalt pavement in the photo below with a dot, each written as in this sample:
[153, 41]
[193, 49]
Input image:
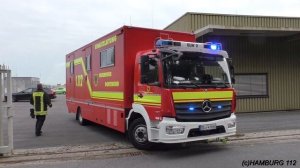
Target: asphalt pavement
[214, 155]
[61, 128]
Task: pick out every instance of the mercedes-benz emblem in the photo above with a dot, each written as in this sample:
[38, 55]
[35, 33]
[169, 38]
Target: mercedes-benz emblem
[206, 106]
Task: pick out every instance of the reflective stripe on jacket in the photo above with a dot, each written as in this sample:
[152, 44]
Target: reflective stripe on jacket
[38, 103]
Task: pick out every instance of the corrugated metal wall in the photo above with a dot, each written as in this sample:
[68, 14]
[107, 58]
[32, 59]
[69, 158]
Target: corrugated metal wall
[279, 57]
[194, 21]
[181, 24]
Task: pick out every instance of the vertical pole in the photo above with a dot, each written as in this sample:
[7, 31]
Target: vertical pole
[1, 109]
[6, 107]
[9, 112]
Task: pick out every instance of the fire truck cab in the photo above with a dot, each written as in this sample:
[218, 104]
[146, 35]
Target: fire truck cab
[156, 86]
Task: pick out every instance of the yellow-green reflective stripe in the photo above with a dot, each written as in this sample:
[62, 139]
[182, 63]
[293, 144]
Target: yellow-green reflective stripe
[68, 65]
[78, 61]
[199, 100]
[150, 104]
[40, 113]
[40, 94]
[109, 95]
[201, 95]
[152, 99]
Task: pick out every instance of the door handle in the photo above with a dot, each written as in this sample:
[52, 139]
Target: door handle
[140, 95]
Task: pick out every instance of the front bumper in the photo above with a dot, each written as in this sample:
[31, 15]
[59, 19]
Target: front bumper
[158, 130]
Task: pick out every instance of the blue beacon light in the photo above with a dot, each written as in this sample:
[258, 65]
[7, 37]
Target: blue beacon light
[191, 108]
[213, 47]
[219, 106]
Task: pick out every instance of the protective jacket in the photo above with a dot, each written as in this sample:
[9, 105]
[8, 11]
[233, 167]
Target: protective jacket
[40, 100]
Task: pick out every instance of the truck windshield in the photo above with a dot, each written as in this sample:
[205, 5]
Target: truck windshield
[195, 70]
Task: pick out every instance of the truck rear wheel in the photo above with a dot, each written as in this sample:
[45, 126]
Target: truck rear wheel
[81, 120]
[138, 134]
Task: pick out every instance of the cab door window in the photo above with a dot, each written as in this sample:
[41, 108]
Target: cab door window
[149, 70]
[153, 71]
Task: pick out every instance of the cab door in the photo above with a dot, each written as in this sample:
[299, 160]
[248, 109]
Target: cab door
[148, 89]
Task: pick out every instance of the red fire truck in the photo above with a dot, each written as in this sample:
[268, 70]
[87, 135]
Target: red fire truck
[157, 86]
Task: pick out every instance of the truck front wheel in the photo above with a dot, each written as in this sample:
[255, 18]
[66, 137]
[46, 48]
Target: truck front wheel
[138, 134]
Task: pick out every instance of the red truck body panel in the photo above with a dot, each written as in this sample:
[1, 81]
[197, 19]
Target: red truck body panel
[105, 94]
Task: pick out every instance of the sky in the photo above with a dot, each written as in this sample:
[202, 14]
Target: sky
[35, 35]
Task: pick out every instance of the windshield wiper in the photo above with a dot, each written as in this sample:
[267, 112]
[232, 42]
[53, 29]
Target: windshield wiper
[196, 84]
[215, 85]
[172, 53]
[184, 86]
[199, 85]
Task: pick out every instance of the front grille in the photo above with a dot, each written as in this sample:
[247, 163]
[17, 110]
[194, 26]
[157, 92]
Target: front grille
[220, 109]
[196, 132]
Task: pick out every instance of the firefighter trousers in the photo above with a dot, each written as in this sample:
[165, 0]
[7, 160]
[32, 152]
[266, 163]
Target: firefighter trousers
[39, 124]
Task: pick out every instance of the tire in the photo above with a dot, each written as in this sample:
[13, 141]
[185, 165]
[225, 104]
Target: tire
[14, 99]
[80, 119]
[138, 134]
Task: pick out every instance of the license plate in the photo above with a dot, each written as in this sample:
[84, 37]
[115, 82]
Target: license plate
[206, 127]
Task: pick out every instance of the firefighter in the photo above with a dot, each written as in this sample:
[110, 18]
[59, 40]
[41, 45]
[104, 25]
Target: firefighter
[40, 100]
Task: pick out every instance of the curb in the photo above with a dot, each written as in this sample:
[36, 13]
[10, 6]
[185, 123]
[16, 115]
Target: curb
[64, 153]
[265, 135]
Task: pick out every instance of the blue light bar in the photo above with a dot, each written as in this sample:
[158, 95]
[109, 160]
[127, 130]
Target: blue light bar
[165, 43]
[162, 43]
[219, 106]
[213, 46]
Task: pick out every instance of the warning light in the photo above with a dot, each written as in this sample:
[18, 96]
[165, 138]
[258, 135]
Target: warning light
[191, 108]
[163, 43]
[213, 47]
[167, 43]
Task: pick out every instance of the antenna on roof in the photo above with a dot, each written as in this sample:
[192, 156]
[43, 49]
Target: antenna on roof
[152, 17]
[130, 20]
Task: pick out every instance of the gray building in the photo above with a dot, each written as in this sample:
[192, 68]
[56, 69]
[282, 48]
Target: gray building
[21, 83]
[265, 52]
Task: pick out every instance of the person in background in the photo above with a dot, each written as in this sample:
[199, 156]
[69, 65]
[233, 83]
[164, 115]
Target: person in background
[40, 100]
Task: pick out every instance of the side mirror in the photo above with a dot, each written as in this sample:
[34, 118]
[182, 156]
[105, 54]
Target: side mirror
[144, 68]
[232, 80]
[231, 70]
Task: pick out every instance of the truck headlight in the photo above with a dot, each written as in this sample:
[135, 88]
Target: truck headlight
[171, 129]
